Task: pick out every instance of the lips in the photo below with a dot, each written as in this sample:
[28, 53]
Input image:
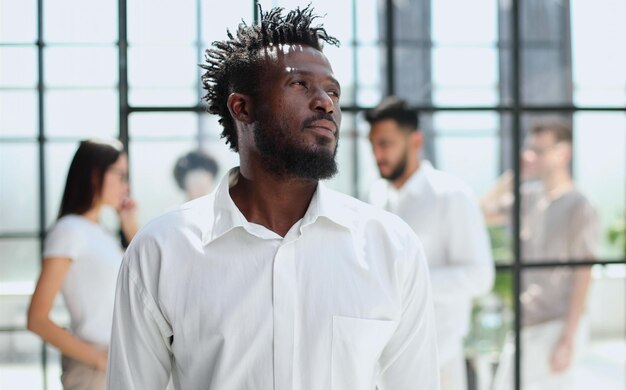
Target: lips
[322, 126]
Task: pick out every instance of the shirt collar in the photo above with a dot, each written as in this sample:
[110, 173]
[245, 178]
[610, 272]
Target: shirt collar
[325, 203]
[417, 181]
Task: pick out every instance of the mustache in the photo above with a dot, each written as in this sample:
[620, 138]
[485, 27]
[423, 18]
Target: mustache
[321, 116]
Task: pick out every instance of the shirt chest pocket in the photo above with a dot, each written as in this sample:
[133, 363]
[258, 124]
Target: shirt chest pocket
[356, 346]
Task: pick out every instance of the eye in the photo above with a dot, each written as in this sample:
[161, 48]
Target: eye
[334, 93]
[300, 83]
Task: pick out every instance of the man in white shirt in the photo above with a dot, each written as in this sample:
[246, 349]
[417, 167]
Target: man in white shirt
[274, 281]
[447, 219]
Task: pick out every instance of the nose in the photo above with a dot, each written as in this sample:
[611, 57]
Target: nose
[322, 102]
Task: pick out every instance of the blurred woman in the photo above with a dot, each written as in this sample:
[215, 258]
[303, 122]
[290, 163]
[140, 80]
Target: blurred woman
[81, 258]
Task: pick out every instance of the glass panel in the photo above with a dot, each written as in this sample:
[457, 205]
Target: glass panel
[369, 84]
[19, 264]
[412, 79]
[20, 361]
[560, 349]
[599, 82]
[81, 66]
[453, 24]
[490, 343]
[58, 158]
[146, 21]
[85, 113]
[367, 17]
[18, 113]
[460, 132]
[170, 80]
[599, 144]
[18, 67]
[80, 21]
[53, 368]
[465, 76]
[163, 124]
[229, 15]
[545, 67]
[18, 21]
[18, 170]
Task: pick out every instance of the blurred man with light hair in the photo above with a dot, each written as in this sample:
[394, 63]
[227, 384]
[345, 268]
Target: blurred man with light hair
[558, 224]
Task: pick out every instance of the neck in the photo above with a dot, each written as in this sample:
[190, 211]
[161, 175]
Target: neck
[269, 200]
[557, 183]
[412, 166]
[93, 214]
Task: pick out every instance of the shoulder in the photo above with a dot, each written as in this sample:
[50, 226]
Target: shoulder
[189, 220]
[450, 188]
[367, 220]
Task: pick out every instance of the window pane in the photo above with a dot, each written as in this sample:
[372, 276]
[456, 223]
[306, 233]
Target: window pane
[600, 173]
[85, 113]
[454, 22]
[545, 68]
[18, 67]
[367, 16]
[490, 342]
[598, 54]
[229, 15]
[460, 132]
[18, 170]
[163, 124]
[20, 361]
[598, 342]
[412, 78]
[369, 84]
[163, 76]
[80, 21]
[147, 21]
[81, 66]
[18, 21]
[465, 76]
[19, 263]
[18, 113]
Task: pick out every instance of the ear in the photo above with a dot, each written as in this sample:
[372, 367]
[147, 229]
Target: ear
[416, 139]
[240, 107]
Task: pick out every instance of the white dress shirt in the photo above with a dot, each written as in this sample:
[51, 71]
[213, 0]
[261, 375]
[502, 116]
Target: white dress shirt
[447, 219]
[342, 302]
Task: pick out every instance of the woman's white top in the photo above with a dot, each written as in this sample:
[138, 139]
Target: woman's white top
[89, 286]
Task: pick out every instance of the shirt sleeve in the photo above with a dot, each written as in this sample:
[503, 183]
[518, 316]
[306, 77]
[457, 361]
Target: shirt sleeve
[469, 270]
[409, 361]
[63, 240]
[139, 355]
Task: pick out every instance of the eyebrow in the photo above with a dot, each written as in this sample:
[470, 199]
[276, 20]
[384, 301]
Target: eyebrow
[293, 71]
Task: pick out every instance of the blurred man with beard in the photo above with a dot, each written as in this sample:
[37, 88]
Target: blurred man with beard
[447, 219]
[274, 281]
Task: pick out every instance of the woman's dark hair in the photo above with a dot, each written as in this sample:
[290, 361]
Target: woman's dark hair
[86, 174]
[192, 161]
[234, 65]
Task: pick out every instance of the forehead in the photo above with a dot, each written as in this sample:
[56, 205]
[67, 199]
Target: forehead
[286, 59]
[543, 138]
[385, 128]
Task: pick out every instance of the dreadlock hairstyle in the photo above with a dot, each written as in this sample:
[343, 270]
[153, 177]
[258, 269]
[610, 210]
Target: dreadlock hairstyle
[235, 64]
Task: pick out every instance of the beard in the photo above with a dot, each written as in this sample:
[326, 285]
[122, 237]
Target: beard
[399, 169]
[284, 156]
